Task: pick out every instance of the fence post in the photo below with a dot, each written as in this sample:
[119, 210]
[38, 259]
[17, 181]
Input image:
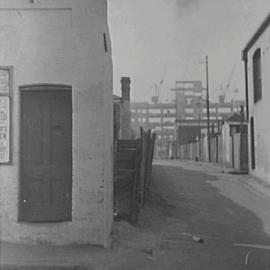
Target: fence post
[134, 216]
[151, 148]
[146, 166]
[142, 169]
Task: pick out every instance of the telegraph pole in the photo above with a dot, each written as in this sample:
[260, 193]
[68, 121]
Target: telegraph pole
[208, 110]
[207, 107]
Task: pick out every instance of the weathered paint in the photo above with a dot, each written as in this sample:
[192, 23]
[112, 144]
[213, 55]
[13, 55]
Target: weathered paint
[62, 41]
[260, 110]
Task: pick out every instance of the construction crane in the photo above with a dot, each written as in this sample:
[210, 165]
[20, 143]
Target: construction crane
[224, 91]
[155, 98]
[158, 87]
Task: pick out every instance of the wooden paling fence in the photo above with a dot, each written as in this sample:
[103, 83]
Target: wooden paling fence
[132, 174]
[147, 150]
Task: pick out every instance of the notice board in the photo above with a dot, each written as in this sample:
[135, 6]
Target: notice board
[5, 115]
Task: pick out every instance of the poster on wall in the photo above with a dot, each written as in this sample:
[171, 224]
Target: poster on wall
[4, 129]
[4, 81]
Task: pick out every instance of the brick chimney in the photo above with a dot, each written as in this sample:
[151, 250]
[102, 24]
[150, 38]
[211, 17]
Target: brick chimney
[126, 114]
[125, 87]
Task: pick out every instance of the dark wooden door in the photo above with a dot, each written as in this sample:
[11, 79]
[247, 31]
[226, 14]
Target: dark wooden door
[252, 142]
[46, 154]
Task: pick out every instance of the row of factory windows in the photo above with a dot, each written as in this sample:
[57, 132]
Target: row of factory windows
[213, 110]
[203, 118]
[172, 120]
[188, 110]
[155, 120]
[157, 111]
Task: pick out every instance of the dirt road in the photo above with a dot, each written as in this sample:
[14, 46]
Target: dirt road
[196, 217]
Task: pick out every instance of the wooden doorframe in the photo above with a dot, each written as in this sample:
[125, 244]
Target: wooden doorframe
[39, 87]
[252, 143]
[50, 86]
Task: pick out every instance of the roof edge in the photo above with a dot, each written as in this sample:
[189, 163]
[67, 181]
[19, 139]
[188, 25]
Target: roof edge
[255, 37]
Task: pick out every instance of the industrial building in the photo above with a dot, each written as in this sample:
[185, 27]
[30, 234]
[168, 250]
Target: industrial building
[191, 111]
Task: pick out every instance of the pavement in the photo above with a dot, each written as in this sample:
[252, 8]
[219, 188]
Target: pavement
[197, 216]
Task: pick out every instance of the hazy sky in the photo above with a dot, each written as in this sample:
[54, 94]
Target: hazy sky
[156, 40]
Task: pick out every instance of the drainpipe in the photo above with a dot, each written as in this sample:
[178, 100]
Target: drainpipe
[245, 59]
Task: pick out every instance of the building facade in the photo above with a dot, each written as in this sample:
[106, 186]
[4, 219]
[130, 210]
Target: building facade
[191, 111]
[183, 121]
[56, 122]
[256, 57]
[159, 117]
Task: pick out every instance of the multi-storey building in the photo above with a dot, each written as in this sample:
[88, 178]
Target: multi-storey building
[191, 110]
[183, 120]
[160, 117]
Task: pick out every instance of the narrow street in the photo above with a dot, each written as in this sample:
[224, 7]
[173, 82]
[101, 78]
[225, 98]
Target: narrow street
[196, 217]
[134, 135]
[221, 210]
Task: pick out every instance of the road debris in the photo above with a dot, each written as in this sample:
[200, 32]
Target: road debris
[197, 239]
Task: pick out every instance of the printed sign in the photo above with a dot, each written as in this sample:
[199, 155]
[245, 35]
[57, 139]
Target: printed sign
[4, 81]
[4, 129]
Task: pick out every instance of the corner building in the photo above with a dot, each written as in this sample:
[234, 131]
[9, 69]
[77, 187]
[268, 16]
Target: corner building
[56, 125]
[256, 57]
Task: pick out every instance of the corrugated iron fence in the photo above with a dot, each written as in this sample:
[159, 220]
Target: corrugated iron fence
[132, 175]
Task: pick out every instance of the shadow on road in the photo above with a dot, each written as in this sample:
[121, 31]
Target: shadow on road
[187, 204]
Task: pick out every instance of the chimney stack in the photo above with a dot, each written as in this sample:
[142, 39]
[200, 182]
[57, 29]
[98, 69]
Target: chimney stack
[126, 114]
[125, 83]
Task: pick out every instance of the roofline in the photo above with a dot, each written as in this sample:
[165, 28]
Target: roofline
[187, 89]
[195, 81]
[256, 36]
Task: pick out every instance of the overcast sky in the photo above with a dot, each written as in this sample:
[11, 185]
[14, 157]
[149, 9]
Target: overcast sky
[154, 40]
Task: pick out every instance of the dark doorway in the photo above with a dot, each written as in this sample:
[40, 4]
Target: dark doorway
[252, 142]
[46, 153]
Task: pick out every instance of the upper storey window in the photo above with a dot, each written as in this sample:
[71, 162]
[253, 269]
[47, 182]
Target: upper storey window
[257, 75]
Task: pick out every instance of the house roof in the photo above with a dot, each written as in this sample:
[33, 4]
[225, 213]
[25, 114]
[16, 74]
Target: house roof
[115, 97]
[256, 36]
[236, 117]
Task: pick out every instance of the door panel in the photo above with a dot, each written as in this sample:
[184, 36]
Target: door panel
[46, 154]
[252, 141]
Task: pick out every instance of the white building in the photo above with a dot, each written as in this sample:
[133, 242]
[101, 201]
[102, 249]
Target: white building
[256, 56]
[56, 121]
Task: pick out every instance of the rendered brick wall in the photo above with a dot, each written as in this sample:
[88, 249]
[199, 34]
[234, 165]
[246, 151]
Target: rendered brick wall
[260, 109]
[62, 42]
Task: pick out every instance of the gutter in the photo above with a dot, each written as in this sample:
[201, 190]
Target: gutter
[251, 42]
[256, 36]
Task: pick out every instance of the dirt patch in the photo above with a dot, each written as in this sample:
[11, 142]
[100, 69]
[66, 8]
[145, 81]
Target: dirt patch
[153, 217]
[156, 212]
